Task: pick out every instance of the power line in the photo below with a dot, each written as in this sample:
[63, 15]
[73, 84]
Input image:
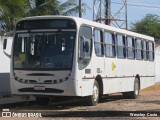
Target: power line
[140, 2]
[136, 5]
[143, 2]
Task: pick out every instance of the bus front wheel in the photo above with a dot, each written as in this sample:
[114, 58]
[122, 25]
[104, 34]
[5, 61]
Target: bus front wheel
[94, 98]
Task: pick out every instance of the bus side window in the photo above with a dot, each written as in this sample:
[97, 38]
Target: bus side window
[145, 50]
[121, 48]
[151, 51]
[98, 42]
[85, 46]
[85, 38]
[130, 48]
[109, 44]
[139, 49]
[85, 50]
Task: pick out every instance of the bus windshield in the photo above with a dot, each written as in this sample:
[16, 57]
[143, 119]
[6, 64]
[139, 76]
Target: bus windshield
[44, 50]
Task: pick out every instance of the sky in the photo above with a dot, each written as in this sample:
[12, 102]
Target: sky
[137, 9]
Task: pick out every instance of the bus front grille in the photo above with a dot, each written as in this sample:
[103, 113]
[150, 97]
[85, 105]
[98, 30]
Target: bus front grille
[47, 90]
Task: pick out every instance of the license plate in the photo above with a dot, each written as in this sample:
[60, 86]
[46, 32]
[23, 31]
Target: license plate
[39, 88]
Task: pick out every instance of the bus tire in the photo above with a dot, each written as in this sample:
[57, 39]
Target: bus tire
[135, 93]
[94, 98]
[42, 100]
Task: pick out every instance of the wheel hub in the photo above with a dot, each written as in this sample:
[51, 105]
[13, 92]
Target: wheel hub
[136, 89]
[95, 93]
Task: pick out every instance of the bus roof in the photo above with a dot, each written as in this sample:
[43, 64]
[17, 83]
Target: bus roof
[80, 21]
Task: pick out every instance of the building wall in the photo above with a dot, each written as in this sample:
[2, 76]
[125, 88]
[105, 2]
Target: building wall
[157, 63]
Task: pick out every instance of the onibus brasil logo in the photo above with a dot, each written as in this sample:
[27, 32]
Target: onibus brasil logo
[7, 113]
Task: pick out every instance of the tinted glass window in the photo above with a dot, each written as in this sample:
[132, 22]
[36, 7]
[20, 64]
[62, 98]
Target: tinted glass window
[121, 49]
[98, 42]
[139, 51]
[46, 24]
[145, 50]
[130, 48]
[85, 46]
[109, 44]
[42, 51]
[151, 51]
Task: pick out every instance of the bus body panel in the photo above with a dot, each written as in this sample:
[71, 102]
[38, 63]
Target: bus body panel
[87, 87]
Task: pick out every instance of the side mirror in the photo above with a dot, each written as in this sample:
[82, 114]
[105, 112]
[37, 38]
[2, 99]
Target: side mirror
[4, 44]
[86, 46]
[4, 48]
[83, 47]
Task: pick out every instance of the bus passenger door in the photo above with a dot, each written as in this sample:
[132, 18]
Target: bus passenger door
[84, 60]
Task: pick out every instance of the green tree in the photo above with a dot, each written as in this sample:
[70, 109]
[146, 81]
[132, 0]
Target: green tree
[71, 7]
[12, 10]
[54, 7]
[43, 7]
[149, 25]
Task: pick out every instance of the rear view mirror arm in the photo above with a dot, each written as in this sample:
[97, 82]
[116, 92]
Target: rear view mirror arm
[9, 56]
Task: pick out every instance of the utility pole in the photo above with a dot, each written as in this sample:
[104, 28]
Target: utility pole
[107, 12]
[80, 8]
[126, 14]
[97, 10]
[117, 16]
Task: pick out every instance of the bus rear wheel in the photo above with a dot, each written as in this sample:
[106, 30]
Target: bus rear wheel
[135, 93]
[94, 98]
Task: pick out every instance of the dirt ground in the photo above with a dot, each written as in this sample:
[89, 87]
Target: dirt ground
[146, 107]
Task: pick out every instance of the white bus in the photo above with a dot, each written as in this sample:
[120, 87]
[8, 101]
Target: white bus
[68, 56]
